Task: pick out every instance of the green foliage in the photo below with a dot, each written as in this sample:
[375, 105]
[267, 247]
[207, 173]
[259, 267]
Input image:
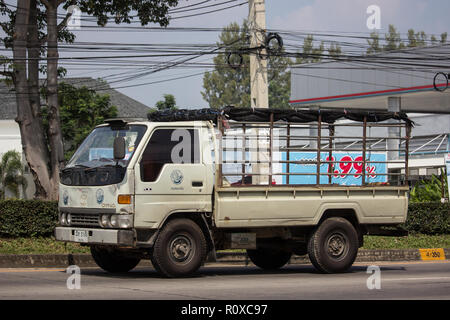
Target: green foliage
[11, 174]
[81, 109]
[334, 50]
[428, 218]
[226, 85]
[430, 190]
[169, 103]
[374, 43]
[412, 241]
[123, 11]
[393, 41]
[27, 218]
[310, 53]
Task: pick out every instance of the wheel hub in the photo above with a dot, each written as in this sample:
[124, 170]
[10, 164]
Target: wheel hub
[180, 248]
[336, 245]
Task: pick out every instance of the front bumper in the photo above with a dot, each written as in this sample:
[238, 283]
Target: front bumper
[96, 236]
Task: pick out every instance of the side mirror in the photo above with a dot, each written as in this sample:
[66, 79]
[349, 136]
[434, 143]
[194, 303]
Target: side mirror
[119, 148]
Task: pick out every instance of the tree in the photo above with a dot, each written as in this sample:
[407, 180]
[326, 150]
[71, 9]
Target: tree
[311, 54]
[169, 103]
[374, 43]
[32, 30]
[334, 51]
[230, 85]
[393, 41]
[418, 39]
[11, 174]
[81, 110]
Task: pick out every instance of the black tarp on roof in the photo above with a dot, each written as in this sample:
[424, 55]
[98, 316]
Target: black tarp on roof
[263, 115]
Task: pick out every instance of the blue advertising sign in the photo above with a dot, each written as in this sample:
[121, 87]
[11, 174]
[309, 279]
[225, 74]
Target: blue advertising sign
[345, 172]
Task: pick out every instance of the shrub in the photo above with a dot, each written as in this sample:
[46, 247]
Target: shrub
[28, 218]
[428, 218]
[36, 218]
[430, 190]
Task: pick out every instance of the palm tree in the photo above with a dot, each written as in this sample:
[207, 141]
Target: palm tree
[11, 174]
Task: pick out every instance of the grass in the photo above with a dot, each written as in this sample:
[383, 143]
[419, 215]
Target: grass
[413, 241]
[51, 246]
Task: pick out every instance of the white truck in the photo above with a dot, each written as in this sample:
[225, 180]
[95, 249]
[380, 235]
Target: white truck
[161, 190]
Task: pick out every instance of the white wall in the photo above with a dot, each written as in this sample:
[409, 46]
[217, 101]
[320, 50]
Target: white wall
[9, 136]
[10, 140]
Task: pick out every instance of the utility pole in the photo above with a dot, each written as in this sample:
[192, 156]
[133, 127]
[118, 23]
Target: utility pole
[259, 96]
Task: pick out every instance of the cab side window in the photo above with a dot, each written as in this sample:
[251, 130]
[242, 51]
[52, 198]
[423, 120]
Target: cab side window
[169, 146]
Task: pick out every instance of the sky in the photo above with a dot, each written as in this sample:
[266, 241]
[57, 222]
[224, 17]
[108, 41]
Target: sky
[312, 16]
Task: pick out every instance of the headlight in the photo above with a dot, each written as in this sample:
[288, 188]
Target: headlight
[69, 219]
[124, 221]
[104, 221]
[62, 219]
[114, 221]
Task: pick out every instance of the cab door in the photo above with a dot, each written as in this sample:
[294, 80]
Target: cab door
[171, 176]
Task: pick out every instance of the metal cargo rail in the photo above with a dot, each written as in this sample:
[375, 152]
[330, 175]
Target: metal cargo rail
[256, 147]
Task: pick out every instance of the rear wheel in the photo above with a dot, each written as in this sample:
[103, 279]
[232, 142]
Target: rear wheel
[113, 261]
[180, 248]
[269, 259]
[333, 246]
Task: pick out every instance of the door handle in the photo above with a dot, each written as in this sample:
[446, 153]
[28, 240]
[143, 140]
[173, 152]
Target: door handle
[197, 183]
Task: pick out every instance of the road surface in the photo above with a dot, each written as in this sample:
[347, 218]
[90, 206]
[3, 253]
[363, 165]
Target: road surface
[399, 280]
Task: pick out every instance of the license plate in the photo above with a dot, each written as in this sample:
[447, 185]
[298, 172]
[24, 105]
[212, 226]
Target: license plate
[80, 235]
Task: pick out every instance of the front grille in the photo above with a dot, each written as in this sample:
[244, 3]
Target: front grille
[85, 220]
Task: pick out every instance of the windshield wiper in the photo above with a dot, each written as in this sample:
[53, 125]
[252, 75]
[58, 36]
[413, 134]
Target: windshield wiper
[80, 166]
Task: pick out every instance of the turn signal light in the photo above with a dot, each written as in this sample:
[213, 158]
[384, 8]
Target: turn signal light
[124, 199]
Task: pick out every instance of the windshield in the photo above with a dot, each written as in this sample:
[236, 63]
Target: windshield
[97, 149]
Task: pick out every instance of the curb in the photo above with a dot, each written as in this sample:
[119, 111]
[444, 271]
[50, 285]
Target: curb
[363, 256]
[85, 260]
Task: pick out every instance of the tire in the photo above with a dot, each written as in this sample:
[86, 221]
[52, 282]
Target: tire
[269, 259]
[113, 261]
[333, 246]
[180, 249]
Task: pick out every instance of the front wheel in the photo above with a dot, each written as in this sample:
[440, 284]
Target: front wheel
[112, 260]
[180, 248]
[333, 246]
[269, 259]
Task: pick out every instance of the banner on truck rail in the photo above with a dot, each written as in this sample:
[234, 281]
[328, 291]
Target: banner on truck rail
[347, 171]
